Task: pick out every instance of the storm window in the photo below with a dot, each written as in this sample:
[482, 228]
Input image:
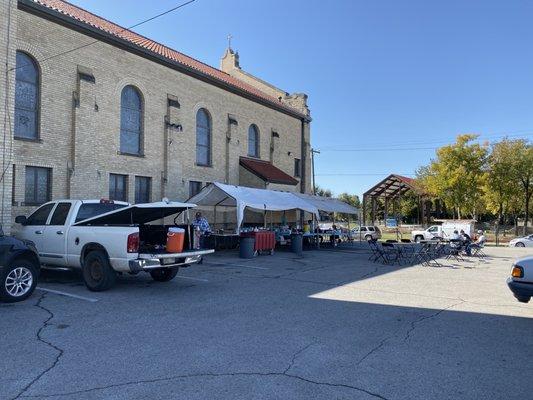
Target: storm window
[203, 138]
[131, 126]
[27, 97]
[38, 185]
[253, 141]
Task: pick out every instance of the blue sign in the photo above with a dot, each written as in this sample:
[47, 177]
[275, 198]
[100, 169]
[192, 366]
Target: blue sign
[391, 223]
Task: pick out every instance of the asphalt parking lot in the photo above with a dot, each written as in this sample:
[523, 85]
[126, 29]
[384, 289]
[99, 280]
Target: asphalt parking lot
[328, 325]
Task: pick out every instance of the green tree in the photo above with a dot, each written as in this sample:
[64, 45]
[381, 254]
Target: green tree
[319, 191]
[502, 185]
[351, 199]
[524, 169]
[457, 176]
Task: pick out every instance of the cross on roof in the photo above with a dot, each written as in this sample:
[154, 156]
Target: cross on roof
[230, 36]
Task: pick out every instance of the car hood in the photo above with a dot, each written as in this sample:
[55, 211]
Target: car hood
[138, 214]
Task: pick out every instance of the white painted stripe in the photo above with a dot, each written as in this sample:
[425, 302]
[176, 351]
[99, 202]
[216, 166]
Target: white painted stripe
[235, 265]
[191, 278]
[75, 296]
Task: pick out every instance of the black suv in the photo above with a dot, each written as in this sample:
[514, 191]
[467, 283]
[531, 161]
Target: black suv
[19, 268]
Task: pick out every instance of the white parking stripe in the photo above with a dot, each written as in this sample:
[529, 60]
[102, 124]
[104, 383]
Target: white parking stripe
[193, 279]
[75, 296]
[234, 265]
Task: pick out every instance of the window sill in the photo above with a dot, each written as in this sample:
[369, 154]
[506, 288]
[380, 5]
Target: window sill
[121, 153]
[204, 165]
[31, 204]
[22, 139]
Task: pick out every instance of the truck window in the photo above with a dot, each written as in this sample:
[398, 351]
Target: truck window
[363, 229]
[89, 210]
[59, 216]
[40, 216]
[433, 229]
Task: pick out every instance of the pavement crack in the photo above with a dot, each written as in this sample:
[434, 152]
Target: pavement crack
[295, 356]
[212, 375]
[39, 337]
[426, 317]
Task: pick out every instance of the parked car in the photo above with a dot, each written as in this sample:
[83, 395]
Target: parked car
[19, 269]
[526, 241]
[367, 232]
[104, 238]
[521, 280]
[443, 231]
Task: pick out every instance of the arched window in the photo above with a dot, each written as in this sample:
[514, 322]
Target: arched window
[253, 141]
[131, 115]
[27, 97]
[203, 138]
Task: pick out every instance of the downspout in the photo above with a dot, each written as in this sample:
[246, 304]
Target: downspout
[228, 139]
[72, 163]
[166, 149]
[302, 166]
[303, 157]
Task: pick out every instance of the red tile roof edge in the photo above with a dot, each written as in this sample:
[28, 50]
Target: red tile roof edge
[267, 171]
[86, 17]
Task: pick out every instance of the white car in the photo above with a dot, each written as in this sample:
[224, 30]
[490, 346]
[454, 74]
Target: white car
[367, 232]
[526, 241]
[104, 238]
[521, 280]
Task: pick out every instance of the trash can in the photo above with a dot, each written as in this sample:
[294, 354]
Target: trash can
[296, 243]
[246, 247]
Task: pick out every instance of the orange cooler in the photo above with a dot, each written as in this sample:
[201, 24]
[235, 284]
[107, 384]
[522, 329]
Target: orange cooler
[175, 240]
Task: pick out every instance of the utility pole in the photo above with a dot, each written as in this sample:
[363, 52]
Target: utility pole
[313, 151]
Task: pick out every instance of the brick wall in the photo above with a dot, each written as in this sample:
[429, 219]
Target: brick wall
[80, 140]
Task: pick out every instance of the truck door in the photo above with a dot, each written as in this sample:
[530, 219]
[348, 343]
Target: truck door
[34, 227]
[55, 235]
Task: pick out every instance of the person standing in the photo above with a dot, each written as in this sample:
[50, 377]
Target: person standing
[201, 226]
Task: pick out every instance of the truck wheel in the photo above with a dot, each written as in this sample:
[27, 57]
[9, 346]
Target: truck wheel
[368, 237]
[98, 274]
[520, 244]
[164, 274]
[18, 281]
[418, 239]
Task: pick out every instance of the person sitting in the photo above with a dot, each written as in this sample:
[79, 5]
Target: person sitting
[465, 237]
[478, 244]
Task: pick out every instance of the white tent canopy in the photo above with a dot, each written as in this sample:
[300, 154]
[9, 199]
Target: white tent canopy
[328, 204]
[219, 194]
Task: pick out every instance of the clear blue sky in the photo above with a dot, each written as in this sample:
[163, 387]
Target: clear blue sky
[379, 74]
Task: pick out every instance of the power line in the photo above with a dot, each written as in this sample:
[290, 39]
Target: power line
[344, 148]
[44, 59]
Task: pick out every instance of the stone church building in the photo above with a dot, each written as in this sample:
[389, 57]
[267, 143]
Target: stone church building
[92, 110]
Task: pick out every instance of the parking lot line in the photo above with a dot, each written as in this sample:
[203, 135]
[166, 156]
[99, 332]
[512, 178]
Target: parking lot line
[234, 265]
[193, 279]
[75, 296]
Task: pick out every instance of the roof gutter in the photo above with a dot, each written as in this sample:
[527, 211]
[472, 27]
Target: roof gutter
[55, 16]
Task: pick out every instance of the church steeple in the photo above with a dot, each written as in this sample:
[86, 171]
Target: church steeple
[230, 59]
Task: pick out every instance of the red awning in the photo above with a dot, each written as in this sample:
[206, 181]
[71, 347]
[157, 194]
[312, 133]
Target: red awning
[266, 171]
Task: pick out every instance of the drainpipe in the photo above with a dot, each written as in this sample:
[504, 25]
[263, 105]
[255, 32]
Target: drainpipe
[72, 162]
[302, 165]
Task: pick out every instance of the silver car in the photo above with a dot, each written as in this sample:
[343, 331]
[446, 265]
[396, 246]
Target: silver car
[526, 241]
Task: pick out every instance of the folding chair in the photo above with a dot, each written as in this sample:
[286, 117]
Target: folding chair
[376, 254]
[454, 250]
[477, 251]
[390, 253]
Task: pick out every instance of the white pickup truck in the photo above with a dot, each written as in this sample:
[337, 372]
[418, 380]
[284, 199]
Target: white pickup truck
[104, 238]
[443, 231]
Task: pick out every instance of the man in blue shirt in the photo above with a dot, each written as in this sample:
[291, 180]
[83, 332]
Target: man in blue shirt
[202, 223]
